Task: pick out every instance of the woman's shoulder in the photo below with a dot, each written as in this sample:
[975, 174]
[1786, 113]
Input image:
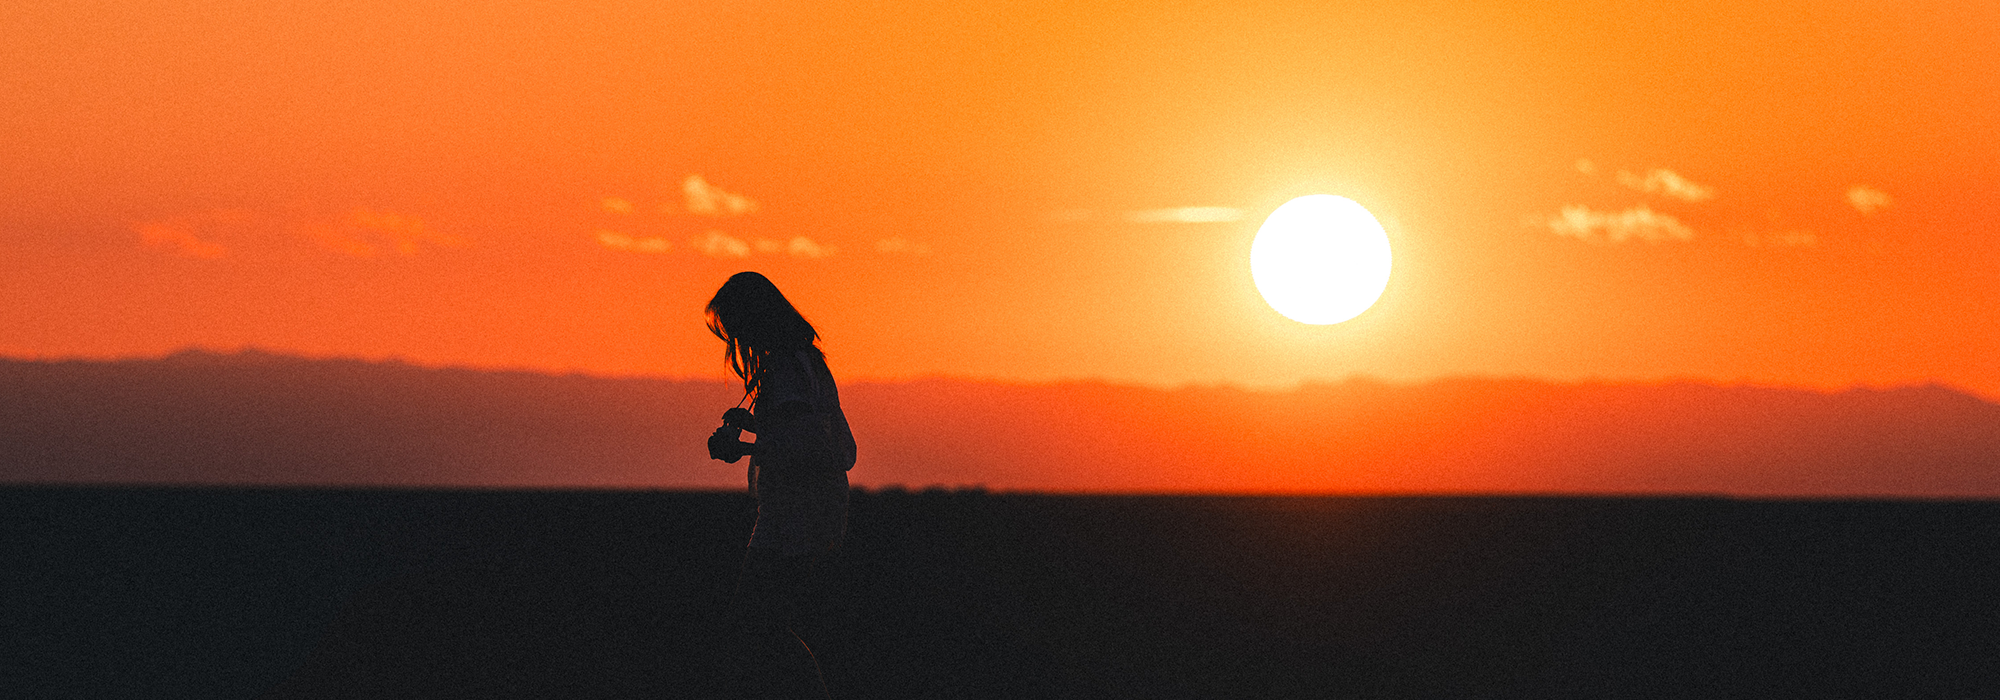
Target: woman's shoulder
[808, 358]
[818, 377]
[796, 367]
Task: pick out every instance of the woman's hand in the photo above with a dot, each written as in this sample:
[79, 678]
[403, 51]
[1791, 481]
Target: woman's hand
[726, 444]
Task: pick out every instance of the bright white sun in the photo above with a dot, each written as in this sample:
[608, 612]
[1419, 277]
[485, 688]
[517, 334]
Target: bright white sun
[1320, 259]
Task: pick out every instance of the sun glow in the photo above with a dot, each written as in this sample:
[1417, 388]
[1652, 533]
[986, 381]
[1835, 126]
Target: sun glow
[1320, 259]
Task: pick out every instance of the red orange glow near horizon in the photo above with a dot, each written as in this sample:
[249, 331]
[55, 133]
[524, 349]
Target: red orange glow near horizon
[1791, 193]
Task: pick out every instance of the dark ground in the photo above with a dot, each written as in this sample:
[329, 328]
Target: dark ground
[150, 593]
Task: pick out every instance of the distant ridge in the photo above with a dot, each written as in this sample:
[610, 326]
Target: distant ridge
[262, 418]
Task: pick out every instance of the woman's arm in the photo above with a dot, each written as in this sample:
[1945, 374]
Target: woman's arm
[787, 438]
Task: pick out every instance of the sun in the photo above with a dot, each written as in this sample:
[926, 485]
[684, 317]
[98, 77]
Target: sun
[1320, 259]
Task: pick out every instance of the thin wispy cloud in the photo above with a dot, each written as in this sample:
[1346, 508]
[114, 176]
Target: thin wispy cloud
[1185, 215]
[901, 246]
[708, 200]
[1868, 200]
[365, 233]
[1781, 239]
[403, 233]
[716, 244]
[177, 238]
[803, 247]
[1639, 223]
[1660, 181]
[1668, 183]
[703, 198]
[360, 232]
[1171, 215]
[618, 241]
[798, 247]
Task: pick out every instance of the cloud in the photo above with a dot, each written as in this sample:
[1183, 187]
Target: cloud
[615, 205]
[1640, 223]
[1665, 182]
[177, 238]
[358, 232]
[899, 245]
[402, 232]
[1868, 200]
[1187, 215]
[798, 247]
[803, 247]
[1781, 239]
[1583, 165]
[717, 244]
[364, 233]
[618, 241]
[708, 200]
[1171, 215]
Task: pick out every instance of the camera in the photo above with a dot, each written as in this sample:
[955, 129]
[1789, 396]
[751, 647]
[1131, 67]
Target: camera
[739, 418]
[726, 443]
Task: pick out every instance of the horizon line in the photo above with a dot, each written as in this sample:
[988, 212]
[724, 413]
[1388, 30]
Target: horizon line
[254, 351]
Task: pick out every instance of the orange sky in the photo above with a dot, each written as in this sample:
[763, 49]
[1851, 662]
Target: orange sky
[1790, 193]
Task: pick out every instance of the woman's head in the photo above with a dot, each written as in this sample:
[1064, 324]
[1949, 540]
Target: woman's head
[754, 320]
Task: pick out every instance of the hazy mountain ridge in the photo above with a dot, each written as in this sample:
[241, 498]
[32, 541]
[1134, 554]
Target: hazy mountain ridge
[256, 418]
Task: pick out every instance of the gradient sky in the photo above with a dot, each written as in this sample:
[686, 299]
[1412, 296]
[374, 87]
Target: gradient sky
[1792, 193]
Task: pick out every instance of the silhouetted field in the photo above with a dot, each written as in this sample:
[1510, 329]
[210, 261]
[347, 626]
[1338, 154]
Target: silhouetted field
[238, 593]
[257, 419]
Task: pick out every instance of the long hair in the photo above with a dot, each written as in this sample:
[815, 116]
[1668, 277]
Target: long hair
[755, 321]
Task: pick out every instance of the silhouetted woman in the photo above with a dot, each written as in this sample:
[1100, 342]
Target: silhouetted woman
[798, 474]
